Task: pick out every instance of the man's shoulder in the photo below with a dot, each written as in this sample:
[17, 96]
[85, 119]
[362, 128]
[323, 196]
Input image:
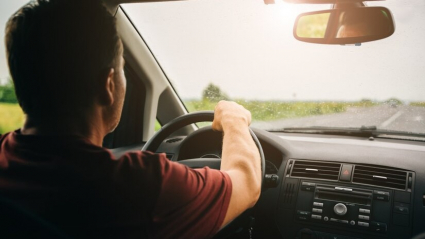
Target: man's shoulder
[3, 136]
[143, 159]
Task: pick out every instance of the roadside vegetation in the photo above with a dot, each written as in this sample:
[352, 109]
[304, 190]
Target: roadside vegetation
[420, 104]
[273, 110]
[12, 117]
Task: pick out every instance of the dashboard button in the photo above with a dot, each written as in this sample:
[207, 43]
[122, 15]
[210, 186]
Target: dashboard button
[346, 172]
[326, 219]
[378, 227]
[317, 210]
[352, 222]
[363, 217]
[401, 208]
[306, 186]
[381, 195]
[316, 216]
[317, 204]
[303, 215]
[362, 210]
[340, 209]
[363, 224]
[339, 220]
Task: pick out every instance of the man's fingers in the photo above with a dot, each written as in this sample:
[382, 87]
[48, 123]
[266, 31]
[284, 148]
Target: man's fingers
[216, 126]
[228, 113]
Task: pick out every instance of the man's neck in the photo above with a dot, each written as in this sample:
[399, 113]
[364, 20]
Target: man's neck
[84, 128]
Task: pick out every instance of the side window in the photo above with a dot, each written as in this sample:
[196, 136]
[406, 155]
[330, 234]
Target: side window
[157, 125]
[11, 115]
[130, 129]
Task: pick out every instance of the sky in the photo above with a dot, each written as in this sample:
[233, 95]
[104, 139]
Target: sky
[247, 49]
[7, 8]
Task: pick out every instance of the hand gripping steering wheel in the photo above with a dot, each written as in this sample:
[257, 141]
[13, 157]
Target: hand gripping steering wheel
[187, 119]
[242, 221]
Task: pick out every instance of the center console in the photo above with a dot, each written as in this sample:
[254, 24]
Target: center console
[333, 200]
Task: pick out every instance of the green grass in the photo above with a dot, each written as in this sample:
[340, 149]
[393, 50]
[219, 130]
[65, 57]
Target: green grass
[157, 125]
[11, 117]
[420, 104]
[273, 110]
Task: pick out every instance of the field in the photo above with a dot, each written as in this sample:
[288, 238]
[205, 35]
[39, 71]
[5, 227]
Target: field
[11, 116]
[420, 104]
[273, 110]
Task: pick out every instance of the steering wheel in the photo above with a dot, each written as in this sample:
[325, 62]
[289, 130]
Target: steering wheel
[242, 221]
[187, 119]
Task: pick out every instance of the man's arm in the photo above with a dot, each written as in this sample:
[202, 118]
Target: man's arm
[240, 157]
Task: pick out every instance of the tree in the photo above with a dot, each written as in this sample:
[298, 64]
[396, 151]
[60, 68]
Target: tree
[213, 93]
[7, 92]
[393, 102]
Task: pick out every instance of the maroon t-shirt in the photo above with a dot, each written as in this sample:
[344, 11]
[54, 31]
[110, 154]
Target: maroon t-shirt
[86, 192]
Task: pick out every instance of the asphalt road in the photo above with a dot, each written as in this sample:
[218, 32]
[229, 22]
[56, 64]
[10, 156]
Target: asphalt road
[400, 118]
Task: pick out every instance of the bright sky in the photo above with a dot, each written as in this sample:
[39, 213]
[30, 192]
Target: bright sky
[7, 8]
[247, 48]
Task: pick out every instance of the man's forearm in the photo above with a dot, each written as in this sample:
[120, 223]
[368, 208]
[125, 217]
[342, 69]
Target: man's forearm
[240, 157]
[240, 153]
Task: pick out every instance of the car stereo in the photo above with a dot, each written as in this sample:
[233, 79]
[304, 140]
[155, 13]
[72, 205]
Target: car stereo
[342, 206]
[344, 201]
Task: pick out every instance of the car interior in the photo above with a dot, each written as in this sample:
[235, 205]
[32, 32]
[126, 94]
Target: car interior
[318, 182]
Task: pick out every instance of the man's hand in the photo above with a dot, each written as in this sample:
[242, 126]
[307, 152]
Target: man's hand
[228, 114]
[240, 157]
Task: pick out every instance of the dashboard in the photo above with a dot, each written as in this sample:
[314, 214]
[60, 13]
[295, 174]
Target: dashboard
[328, 186]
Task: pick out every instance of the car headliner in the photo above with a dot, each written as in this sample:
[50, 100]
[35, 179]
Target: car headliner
[112, 5]
[116, 2]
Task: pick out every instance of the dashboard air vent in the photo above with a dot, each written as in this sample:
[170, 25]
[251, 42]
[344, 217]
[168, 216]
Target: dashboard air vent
[315, 169]
[380, 176]
[288, 193]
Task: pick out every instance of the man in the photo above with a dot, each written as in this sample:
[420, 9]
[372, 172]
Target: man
[65, 58]
[362, 24]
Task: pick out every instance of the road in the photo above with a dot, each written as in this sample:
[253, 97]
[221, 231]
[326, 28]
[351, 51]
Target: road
[400, 118]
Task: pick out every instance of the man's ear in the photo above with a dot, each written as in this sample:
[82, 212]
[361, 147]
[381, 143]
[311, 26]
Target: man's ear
[107, 87]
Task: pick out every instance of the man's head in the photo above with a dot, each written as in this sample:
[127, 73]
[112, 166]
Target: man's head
[65, 58]
[362, 23]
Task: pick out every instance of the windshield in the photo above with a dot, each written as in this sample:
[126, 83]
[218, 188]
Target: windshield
[245, 51]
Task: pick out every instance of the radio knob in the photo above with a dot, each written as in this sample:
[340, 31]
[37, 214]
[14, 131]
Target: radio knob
[340, 209]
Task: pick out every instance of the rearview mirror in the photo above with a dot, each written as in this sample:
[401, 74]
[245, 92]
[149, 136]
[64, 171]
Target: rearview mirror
[344, 26]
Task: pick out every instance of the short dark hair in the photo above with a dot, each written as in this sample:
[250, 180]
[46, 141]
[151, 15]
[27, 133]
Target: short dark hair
[57, 51]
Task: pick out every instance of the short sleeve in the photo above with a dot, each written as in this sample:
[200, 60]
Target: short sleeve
[191, 203]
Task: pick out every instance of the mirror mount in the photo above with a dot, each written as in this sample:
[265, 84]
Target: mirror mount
[345, 5]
